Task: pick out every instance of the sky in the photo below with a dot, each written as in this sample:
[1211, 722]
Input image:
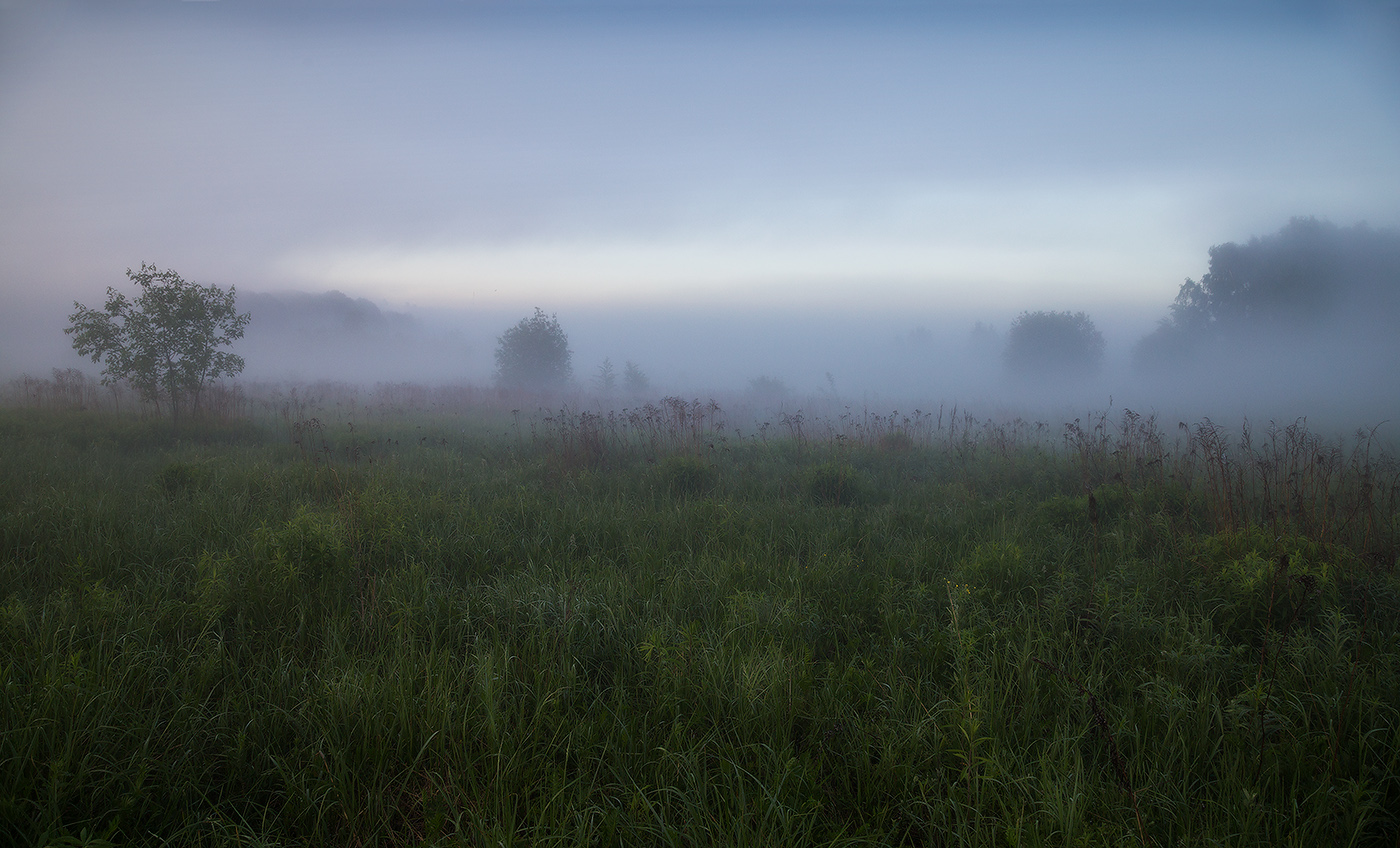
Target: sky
[894, 161]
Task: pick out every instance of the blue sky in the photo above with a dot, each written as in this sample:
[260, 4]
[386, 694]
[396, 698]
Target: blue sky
[838, 157]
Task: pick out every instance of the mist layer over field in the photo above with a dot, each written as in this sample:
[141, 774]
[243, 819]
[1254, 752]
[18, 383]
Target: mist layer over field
[854, 202]
[818, 361]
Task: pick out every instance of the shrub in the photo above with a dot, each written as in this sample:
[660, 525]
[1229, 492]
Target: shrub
[1266, 582]
[534, 354]
[687, 475]
[178, 478]
[834, 483]
[309, 545]
[1040, 345]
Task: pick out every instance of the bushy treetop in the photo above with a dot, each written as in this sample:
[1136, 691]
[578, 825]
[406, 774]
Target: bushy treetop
[1308, 277]
[1053, 344]
[534, 354]
[166, 341]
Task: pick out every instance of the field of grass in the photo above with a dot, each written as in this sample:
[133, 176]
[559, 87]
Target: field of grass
[654, 628]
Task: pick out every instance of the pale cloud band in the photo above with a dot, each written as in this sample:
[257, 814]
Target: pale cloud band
[872, 161]
[962, 247]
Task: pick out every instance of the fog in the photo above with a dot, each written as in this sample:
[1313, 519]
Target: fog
[1341, 376]
[857, 200]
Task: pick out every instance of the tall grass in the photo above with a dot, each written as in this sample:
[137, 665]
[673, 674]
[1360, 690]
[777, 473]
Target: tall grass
[668, 626]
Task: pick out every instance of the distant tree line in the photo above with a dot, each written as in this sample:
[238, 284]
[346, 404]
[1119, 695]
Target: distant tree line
[1310, 284]
[1310, 278]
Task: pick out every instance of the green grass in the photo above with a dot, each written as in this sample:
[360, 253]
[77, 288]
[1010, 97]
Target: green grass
[575, 629]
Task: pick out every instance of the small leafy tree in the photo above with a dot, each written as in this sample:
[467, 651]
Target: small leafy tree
[166, 341]
[534, 354]
[1053, 344]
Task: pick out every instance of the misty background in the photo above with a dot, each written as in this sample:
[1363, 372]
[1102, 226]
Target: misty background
[857, 200]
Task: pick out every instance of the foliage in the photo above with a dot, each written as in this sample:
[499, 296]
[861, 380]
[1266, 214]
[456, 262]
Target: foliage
[441, 637]
[683, 474]
[1168, 346]
[634, 379]
[164, 342]
[534, 354]
[1053, 344]
[1291, 276]
[1308, 275]
[835, 483]
[605, 380]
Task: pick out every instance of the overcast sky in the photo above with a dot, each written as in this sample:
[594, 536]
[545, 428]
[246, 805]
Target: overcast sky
[833, 156]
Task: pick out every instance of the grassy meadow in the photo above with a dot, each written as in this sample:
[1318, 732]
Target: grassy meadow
[406, 625]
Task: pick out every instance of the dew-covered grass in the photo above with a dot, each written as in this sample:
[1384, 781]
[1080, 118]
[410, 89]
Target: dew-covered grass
[653, 628]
